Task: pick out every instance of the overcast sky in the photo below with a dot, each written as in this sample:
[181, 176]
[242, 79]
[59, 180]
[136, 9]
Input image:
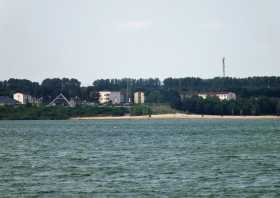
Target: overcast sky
[92, 39]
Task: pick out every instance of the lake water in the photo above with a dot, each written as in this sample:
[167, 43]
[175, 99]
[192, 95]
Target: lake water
[145, 158]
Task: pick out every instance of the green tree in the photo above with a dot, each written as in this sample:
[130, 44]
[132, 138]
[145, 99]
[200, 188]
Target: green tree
[278, 107]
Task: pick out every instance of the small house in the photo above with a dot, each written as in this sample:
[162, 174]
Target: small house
[22, 98]
[220, 95]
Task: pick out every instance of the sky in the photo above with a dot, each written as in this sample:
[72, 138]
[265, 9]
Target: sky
[93, 39]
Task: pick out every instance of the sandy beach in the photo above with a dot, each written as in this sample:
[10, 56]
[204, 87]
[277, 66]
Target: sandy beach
[175, 116]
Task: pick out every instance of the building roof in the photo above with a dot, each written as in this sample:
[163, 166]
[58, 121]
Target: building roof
[6, 100]
[18, 92]
[60, 99]
[105, 91]
[216, 93]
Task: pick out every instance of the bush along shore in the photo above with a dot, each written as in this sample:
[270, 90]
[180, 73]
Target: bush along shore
[24, 112]
[151, 111]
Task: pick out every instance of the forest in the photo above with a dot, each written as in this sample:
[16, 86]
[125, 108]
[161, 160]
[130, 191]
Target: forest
[255, 95]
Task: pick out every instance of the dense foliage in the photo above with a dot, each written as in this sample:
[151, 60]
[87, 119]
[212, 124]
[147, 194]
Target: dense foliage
[127, 83]
[140, 110]
[244, 87]
[56, 113]
[256, 95]
[213, 106]
[49, 88]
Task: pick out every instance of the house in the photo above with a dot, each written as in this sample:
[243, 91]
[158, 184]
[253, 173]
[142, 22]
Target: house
[226, 96]
[114, 97]
[205, 95]
[23, 98]
[6, 101]
[61, 100]
[139, 97]
[220, 95]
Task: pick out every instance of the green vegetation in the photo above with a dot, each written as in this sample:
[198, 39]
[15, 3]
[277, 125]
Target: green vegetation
[56, 113]
[162, 108]
[242, 106]
[255, 95]
[155, 90]
[138, 110]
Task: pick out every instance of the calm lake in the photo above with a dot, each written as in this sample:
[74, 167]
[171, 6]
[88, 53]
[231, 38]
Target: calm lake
[144, 158]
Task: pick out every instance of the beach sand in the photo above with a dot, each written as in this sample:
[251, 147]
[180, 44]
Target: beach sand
[175, 116]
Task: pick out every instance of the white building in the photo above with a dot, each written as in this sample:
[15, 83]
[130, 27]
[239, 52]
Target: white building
[22, 98]
[226, 96]
[114, 97]
[220, 95]
[203, 95]
[139, 97]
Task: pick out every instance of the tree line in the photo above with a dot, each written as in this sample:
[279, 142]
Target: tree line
[70, 87]
[244, 87]
[256, 95]
[242, 106]
[49, 88]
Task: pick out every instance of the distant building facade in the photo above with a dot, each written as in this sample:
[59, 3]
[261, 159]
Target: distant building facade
[23, 98]
[6, 101]
[220, 95]
[114, 97]
[139, 97]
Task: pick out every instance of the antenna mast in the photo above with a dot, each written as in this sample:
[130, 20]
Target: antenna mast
[224, 67]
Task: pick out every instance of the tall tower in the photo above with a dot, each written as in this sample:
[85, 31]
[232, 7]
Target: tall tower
[224, 67]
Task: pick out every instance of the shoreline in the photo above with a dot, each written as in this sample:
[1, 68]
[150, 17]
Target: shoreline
[178, 116]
